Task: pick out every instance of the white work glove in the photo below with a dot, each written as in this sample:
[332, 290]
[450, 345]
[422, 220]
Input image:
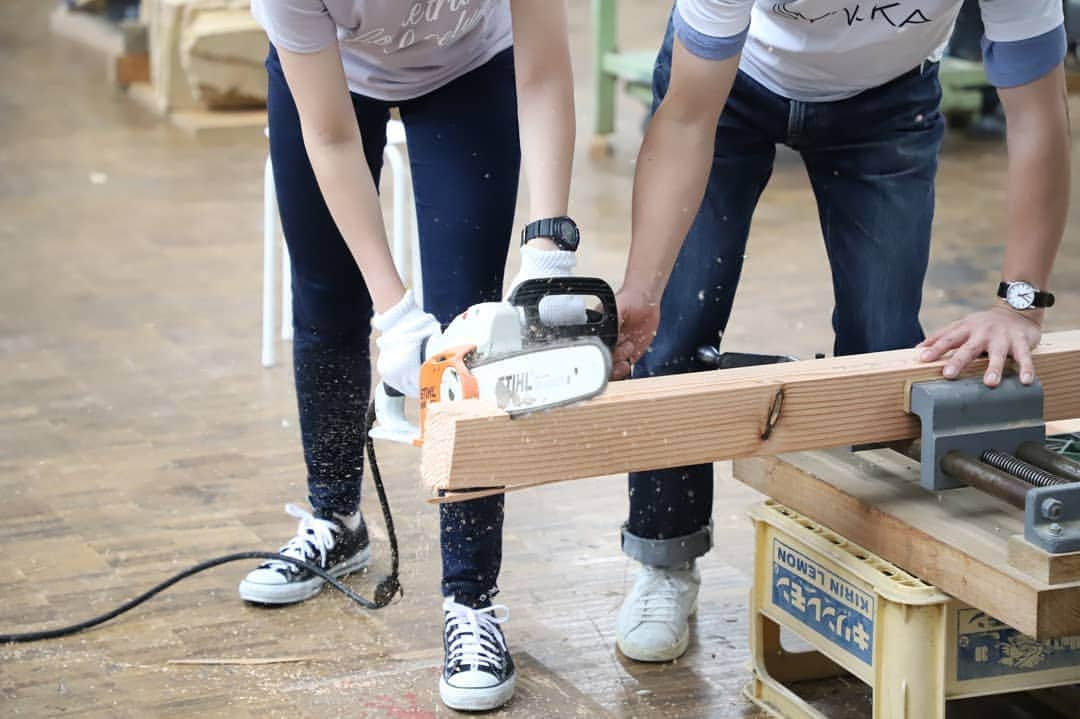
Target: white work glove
[538, 264]
[402, 331]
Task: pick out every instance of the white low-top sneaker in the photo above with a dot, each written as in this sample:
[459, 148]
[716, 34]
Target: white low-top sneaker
[653, 623]
[478, 673]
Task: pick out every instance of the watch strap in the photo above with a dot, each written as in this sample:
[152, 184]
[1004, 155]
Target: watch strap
[555, 228]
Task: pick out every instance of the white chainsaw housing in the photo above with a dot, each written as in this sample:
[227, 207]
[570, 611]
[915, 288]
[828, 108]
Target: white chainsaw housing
[494, 327]
[514, 377]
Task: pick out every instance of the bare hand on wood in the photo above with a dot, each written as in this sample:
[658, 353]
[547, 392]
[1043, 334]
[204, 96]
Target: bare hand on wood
[998, 332]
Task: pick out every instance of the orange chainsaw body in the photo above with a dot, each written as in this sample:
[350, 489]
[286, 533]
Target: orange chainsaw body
[451, 359]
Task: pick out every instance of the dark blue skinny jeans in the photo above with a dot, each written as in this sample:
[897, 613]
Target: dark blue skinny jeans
[871, 161]
[464, 157]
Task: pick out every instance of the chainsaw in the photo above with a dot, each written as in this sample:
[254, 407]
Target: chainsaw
[502, 352]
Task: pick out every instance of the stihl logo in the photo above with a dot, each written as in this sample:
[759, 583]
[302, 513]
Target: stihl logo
[515, 383]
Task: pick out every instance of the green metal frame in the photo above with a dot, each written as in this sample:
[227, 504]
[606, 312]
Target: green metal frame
[962, 82]
[633, 69]
[1066, 444]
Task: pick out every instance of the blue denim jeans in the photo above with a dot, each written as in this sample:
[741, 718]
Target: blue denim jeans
[464, 157]
[871, 161]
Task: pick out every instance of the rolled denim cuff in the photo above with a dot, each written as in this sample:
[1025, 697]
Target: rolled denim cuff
[667, 552]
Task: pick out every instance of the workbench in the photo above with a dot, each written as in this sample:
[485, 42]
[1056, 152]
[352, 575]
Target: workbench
[941, 596]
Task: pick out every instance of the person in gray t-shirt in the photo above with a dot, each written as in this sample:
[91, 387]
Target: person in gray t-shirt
[390, 49]
[336, 68]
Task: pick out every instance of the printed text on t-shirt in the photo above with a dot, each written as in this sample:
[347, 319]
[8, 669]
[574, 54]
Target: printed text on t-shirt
[893, 13]
[420, 15]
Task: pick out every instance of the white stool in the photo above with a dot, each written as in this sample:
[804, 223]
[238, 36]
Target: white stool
[405, 246]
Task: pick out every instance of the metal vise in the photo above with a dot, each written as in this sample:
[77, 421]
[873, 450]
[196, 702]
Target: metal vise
[992, 439]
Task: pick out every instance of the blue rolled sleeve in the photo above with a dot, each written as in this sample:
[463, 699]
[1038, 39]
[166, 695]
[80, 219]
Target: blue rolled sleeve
[706, 46]
[1017, 62]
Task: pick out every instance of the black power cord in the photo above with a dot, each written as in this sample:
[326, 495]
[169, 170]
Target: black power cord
[385, 591]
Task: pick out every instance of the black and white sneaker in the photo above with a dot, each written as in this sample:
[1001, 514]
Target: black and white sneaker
[322, 539]
[478, 673]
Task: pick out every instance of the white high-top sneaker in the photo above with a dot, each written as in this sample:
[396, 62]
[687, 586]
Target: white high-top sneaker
[478, 671]
[653, 621]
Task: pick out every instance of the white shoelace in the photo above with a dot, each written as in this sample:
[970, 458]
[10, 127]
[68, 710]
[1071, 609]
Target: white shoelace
[314, 536]
[660, 603]
[474, 637]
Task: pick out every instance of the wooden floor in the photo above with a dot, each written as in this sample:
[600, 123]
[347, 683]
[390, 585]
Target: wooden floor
[138, 433]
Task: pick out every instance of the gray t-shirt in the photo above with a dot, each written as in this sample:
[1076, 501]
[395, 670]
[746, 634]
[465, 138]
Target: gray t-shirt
[392, 49]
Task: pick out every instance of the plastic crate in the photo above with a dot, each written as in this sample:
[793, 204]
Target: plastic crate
[915, 646]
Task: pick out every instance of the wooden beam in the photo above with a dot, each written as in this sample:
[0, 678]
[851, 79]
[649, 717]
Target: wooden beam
[707, 416]
[1046, 567]
[89, 29]
[130, 69]
[1065, 426]
[956, 540]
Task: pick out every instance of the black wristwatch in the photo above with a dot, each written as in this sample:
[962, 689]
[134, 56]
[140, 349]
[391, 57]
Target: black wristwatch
[561, 230]
[1023, 296]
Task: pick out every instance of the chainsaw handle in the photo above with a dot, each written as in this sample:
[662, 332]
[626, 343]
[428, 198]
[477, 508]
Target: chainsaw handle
[603, 324]
[389, 421]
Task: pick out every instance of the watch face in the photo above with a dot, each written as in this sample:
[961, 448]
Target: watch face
[1020, 295]
[568, 234]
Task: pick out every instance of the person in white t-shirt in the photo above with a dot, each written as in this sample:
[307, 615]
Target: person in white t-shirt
[465, 96]
[852, 86]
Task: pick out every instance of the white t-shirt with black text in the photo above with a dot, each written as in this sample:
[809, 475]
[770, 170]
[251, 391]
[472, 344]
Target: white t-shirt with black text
[819, 50]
